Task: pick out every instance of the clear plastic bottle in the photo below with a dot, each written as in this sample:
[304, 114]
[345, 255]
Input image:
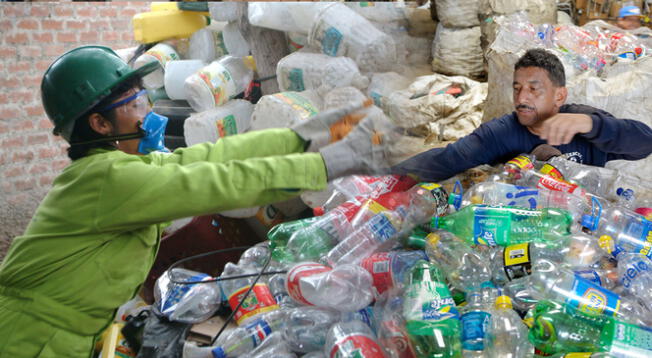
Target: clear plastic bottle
[514, 169]
[277, 288]
[622, 228]
[220, 81]
[465, 268]
[255, 256]
[392, 335]
[243, 340]
[475, 318]
[259, 301]
[352, 339]
[505, 225]
[307, 327]
[300, 71]
[552, 282]
[191, 303]
[507, 335]
[389, 269]
[635, 276]
[344, 288]
[273, 346]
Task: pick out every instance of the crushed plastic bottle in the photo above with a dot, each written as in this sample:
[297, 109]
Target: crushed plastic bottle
[352, 339]
[259, 301]
[243, 340]
[189, 303]
[389, 269]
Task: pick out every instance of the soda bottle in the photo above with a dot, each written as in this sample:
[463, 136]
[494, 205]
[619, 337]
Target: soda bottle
[273, 346]
[552, 282]
[352, 339]
[189, 303]
[548, 177]
[259, 300]
[597, 181]
[255, 256]
[392, 335]
[505, 225]
[415, 240]
[635, 276]
[513, 169]
[507, 335]
[464, 267]
[344, 288]
[433, 323]
[277, 288]
[475, 317]
[280, 234]
[244, 339]
[307, 327]
[389, 269]
[221, 80]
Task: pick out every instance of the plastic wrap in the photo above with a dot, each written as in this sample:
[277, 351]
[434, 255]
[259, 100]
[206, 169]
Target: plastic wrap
[458, 52]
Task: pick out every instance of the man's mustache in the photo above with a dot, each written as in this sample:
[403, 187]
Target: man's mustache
[525, 106]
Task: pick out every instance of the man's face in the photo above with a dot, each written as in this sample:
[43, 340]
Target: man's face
[535, 96]
[129, 116]
[629, 22]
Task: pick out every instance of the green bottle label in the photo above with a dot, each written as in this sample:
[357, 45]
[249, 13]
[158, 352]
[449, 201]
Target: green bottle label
[227, 126]
[491, 227]
[631, 341]
[429, 301]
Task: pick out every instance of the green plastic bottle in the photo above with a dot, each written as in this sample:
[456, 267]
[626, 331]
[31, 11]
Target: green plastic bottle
[280, 234]
[416, 239]
[505, 225]
[432, 320]
[558, 328]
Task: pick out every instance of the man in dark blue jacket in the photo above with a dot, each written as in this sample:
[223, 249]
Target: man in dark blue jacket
[584, 134]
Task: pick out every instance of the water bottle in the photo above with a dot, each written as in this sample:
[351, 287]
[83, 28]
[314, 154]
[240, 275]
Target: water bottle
[505, 225]
[464, 267]
[413, 207]
[255, 256]
[552, 282]
[507, 335]
[307, 327]
[259, 300]
[300, 71]
[635, 276]
[280, 234]
[344, 288]
[192, 303]
[622, 228]
[162, 54]
[232, 118]
[352, 339]
[389, 269]
[433, 323]
[244, 339]
[339, 31]
[220, 81]
[603, 277]
[273, 346]
[475, 318]
[277, 288]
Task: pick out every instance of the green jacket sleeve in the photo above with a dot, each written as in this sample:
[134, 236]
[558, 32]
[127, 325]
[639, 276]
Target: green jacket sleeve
[256, 144]
[142, 190]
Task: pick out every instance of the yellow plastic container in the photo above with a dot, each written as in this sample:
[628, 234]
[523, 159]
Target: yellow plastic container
[163, 25]
[171, 6]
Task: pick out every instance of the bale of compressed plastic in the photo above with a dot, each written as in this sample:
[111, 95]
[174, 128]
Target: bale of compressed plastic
[457, 13]
[457, 52]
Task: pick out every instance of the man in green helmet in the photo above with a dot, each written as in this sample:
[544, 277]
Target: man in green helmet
[94, 237]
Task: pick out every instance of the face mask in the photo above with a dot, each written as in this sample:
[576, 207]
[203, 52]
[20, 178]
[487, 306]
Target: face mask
[153, 128]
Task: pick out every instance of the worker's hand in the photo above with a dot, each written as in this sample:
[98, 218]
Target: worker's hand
[331, 125]
[562, 127]
[363, 151]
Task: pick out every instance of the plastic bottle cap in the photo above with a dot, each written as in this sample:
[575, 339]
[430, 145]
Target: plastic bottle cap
[318, 211]
[249, 62]
[218, 352]
[589, 222]
[503, 302]
[432, 239]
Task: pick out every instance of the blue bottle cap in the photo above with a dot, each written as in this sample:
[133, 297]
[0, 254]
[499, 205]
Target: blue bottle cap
[218, 352]
[589, 222]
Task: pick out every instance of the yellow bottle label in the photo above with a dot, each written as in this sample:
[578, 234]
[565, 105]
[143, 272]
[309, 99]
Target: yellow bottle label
[517, 254]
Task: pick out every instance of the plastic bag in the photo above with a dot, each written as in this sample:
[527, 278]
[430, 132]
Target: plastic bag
[458, 52]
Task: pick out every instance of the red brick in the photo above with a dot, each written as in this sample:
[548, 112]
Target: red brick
[22, 156]
[33, 81]
[18, 38]
[76, 25]
[39, 11]
[4, 128]
[110, 36]
[28, 24]
[43, 38]
[19, 67]
[38, 169]
[6, 25]
[30, 51]
[127, 37]
[128, 13]
[89, 36]
[109, 12]
[4, 99]
[67, 37]
[52, 24]
[7, 187]
[35, 110]
[101, 25]
[7, 51]
[50, 152]
[54, 50]
[25, 184]
[15, 142]
[39, 138]
[14, 172]
[42, 65]
[63, 10]
[45, 124]
[46, 180]
[23, 125]
[9, 83]
[8, 113]
[20, 96]
[58, 165]
[87, 11]
[19, 199]
[15, 10]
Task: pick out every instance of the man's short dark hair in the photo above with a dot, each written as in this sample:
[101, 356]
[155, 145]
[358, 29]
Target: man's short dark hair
[543, 59]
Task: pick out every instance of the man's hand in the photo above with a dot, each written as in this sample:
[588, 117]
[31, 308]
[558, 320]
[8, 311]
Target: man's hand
[562, 127]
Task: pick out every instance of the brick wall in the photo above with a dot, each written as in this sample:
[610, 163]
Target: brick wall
[31, 37]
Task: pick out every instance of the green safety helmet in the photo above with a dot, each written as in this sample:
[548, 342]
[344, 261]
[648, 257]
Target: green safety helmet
[79, 80]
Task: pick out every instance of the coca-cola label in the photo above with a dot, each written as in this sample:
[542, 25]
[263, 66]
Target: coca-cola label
[556, 184]
[293, 282]
[379, 266]
[358, 346]
[260, 300]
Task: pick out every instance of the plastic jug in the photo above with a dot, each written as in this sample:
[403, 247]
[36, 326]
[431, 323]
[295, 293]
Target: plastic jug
[161, 53]
[162, 25]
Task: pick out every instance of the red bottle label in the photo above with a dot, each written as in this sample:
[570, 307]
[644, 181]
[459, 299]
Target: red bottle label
[379, 266]
[359, 346]
[293, 282]
[260, 300]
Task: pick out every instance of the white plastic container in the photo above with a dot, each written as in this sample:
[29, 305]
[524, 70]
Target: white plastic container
[215, 84]
[221, 39]
[340, 31]
[161, 53]
[302, 71]
[233, 117]
[175, 76]
[226, 11]
[284, 16]
[281, 110]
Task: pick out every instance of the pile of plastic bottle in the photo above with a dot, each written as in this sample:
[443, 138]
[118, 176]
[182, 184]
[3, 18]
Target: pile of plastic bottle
[542, 259]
